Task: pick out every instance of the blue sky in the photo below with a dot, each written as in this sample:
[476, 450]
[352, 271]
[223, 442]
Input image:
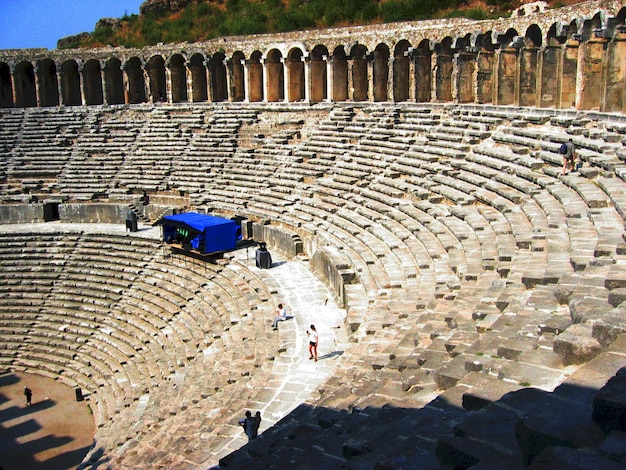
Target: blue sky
[40, 23]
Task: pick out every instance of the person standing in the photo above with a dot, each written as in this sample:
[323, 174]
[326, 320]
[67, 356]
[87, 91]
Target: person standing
[250, 424]
[257, 424]
[28, 393]
[313, 340]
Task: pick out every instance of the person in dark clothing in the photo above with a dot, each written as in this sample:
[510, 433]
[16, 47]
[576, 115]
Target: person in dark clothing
[28, 393]
[251, 424]
[131, 221]
[568, 150]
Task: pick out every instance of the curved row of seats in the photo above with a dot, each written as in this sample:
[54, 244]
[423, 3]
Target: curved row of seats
[471, 252]
[150, 338]
[536, 234]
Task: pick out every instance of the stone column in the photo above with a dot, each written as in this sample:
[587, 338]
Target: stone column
[455, 77]
[103, 78]
[518, 75]
[246, 81]
[229, 79]
[285, 79]
[369, 60]
[60, 74]
[168, 84]
[209, 81]
[125, 83]
[329, 78]
[349, 63]
[12, 75]
[189, 82]
[307, 74]
[81, 85]
[147, 89]
[390, 78]
[411, 84]
[433, 73]
[265, 84]
[37, 90]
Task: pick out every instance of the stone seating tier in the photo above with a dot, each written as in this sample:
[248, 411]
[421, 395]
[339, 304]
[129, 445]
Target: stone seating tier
[466, 264]
[122, 342]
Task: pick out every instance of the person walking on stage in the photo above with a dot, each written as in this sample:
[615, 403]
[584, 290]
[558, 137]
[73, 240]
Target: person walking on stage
[313, 339]
[28, 393]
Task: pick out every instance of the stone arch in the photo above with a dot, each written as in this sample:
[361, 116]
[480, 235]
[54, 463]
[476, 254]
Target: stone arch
[401, 70]
[360, 82]
[92, 82]
[237, 72]
[507, 69]
[25, 88]
[318, 74]
[48, 83]
[529, 64]
[295, 69]
[178, 78]
[598, 21]
[443, 74]
[533, 37]
[423, 72]
[275, 76]
[255, 77]
[340, 74]
[572, 29]
[555, 36]
[136, 81]
[70, 83]
[485, 64]
[157, 79]
[6, 86]
[114, 81]
[199, 89]
[381, 72]
[219, 83]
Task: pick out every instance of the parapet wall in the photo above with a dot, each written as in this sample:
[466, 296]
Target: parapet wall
[570, 57]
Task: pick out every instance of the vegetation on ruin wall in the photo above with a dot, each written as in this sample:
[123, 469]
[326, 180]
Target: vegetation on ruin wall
[204, 21]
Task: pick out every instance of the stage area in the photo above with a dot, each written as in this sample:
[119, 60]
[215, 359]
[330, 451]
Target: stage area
[54, 433]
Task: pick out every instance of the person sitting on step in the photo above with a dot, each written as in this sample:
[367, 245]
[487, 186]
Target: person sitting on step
[281, 315]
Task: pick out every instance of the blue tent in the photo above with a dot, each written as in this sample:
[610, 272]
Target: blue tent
[205, 233]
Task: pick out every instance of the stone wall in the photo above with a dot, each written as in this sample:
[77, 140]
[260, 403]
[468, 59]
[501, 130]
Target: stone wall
[517, 57]
[286, 242]
[334, 270]
[21, 213]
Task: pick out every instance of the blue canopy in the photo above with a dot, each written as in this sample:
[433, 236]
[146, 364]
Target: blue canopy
[206, 233]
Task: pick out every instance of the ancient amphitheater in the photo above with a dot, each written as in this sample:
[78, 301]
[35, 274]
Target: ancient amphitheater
[408, 183]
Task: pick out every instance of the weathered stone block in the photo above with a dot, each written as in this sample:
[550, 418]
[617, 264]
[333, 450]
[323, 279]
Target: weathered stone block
[616, 278]
[588, 308]
[576, 345]
[607, 329]
[617, 296]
